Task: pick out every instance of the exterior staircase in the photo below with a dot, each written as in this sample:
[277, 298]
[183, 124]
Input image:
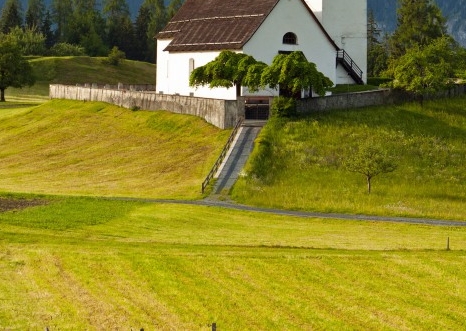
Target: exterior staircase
[350, 66]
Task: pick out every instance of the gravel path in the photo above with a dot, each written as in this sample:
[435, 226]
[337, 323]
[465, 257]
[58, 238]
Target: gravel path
[231, 205]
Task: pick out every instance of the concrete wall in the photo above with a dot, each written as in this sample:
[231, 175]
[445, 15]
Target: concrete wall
[221, 113]
[366, 99]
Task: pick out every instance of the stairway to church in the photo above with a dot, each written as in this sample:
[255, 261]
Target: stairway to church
[237, 156]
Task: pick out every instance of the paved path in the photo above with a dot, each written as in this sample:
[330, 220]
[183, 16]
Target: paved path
[237, 156]
[350, 217]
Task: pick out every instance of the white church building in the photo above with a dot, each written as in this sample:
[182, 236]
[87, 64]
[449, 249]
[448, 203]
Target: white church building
[331, 33]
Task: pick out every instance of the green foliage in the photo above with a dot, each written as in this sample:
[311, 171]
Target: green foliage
[419, 23]
[228, 69]
[65, 49]
[293, 73]
[29, 40]
[283, 107]
[11, 16]
[369, 160]
[15, 70]
[425, 70]
[115, 57]
[35, 14]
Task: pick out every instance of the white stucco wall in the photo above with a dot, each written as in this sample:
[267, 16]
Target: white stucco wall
[293, 16]
[346, 22]
[162, 83]
[174, 71]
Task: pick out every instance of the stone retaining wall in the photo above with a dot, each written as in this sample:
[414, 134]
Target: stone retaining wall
[221, 113]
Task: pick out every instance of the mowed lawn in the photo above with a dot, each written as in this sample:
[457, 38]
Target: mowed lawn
[93, 264]
[79, 148]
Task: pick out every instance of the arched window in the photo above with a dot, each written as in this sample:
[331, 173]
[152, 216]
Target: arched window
[290, 38]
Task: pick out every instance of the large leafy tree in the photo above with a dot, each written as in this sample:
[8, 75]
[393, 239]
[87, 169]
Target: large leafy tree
[229, 69]
[15, 71]
[12, 16]
[428, 69]
[293, 73]
[419, 23]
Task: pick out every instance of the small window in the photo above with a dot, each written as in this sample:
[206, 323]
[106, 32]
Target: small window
[290, 38]
[191, 65]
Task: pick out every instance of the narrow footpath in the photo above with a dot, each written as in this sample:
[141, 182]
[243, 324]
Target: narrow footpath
[235, 160]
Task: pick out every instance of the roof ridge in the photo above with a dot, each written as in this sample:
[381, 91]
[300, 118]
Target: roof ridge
[217, 17]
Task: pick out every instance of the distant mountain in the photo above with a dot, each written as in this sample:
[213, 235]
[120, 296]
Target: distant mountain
[453, 10]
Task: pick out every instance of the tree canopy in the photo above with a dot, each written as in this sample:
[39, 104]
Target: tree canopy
[291, 72]
[294, 73]
[424, 70]
[93, 25]
[15, 70]
[419, 23]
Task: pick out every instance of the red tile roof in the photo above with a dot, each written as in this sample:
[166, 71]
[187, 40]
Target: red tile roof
[217, 24]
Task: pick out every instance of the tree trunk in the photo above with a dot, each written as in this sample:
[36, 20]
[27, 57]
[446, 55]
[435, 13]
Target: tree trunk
[369, 184]
[2, 95]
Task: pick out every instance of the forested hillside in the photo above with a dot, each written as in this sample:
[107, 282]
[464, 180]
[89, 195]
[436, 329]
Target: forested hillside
[133, 5]
[454, 10]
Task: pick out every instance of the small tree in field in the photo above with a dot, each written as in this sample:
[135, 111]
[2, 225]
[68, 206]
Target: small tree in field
[370, 161]
[15, 71]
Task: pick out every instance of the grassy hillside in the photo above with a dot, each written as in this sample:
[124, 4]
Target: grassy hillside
[298, 163]
[80, 70]
[92, 264]
[67, 147]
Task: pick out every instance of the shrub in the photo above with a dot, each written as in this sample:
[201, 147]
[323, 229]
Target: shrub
[283, 107]
[65, 49]
[115, 56]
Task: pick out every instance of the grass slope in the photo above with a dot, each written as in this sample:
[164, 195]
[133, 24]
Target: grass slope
[67, 147]
[80, 70]
[81, 263]
[298, 163]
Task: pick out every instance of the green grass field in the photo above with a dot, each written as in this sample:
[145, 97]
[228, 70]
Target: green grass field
[298, 163]
[79, 148]
[84, 263]
[76, 261]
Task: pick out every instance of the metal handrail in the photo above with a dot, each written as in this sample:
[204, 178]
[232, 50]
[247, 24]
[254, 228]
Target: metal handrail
[222, 154]
[341, 54]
